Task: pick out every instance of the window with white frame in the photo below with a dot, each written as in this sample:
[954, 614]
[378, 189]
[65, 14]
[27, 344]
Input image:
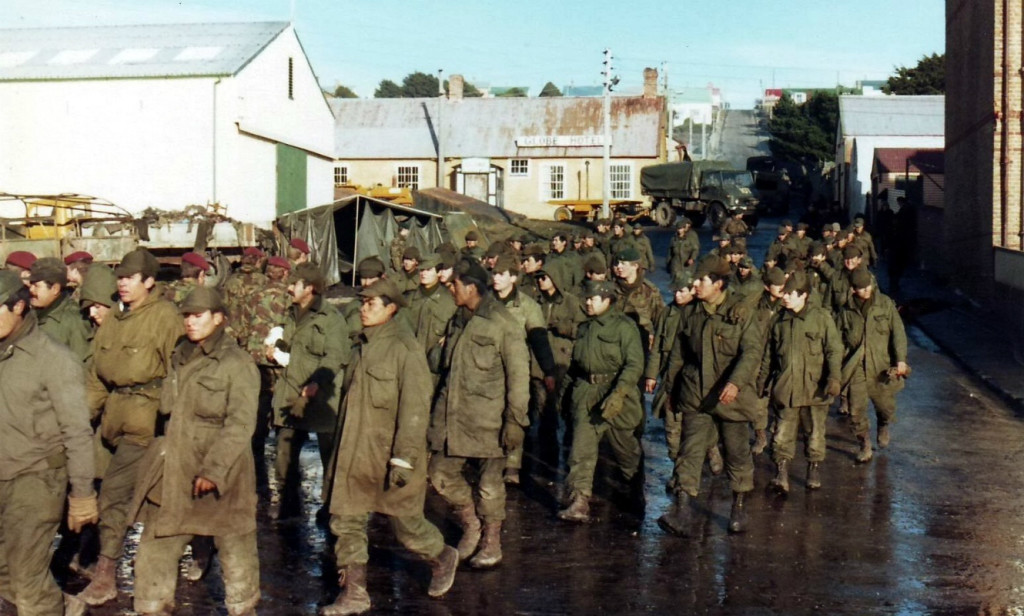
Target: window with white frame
[520, 167]
[622, 181]
[409, 177]
[340, 175]
[553, 183]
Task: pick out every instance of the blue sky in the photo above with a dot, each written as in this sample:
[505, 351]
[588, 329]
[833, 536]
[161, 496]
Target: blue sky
[742, 46]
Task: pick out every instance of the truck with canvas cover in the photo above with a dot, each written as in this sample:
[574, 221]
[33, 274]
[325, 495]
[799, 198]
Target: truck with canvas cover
[702, 190]
[772, 182]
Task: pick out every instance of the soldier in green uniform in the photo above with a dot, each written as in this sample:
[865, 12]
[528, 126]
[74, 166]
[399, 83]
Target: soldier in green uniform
[200, 479]
[746, 279]
[57, 313]
[840, 290]
[801, 365]
[396, 250]
[567, 263]
[532, 261]
[716, 357]
[131, 358]
[78, 264]
[409, 278]
[637, 297]
[602, 235]
[778, 251]
[45, 444]
[735, 226]
[621, 238]
[643, 246]
[684, 249]
[314, 350]
[472, 248]
[765, 312]
[528, 315]
[480, 413]
[242, 286]
[862, 238]
[875, 361]
[607, 363]
[381, 464]
[800, 243]
[431, 306]
[194, 268]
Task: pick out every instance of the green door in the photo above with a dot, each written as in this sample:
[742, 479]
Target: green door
[291, 179]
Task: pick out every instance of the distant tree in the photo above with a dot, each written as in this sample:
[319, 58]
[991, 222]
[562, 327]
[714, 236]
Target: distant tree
[513, 93]
[804, 131]
[550, 89]
[388, 89]
[471, 91]
[344, 92]
[928, 77]
[419, 85]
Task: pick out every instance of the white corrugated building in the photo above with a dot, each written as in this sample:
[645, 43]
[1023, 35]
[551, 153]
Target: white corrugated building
[870, 122]
[166, 116]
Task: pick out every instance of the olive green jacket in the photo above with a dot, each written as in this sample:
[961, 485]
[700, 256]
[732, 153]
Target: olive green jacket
[716, 346]
[318, 342]
[608, 357]
[643, 245]
[526, 311]
[63, 321]
[803, 353]
[211, 397]
[384, 416]
[569, 266]
[657, 365]
[429, 312]
[485, 383]
[563, 313]
[131, 356]
[44, 420]
[681, 250]
[874, 338]
[642, 302]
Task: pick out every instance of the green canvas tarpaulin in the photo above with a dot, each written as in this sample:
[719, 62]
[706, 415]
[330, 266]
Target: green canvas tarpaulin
[676, 180]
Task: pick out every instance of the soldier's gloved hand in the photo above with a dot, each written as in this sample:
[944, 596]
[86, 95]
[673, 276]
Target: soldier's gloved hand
[399, 475]
[82, 510]
[612, 405]
[833, 387]
[512, 436]
[298, 410]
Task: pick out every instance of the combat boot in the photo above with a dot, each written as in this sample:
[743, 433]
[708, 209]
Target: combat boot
[813, 476]
[103, 586]
[577, 511]
[353, 598]
[781, 480]
[760, 442]
[715, 460]
[676, 521]
[442, 571]
[738, 515]
[490, 547]
[470, 531]
[883, 436]
[865, 453]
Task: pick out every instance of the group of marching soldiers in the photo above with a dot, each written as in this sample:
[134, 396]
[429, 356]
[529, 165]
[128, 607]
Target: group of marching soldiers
[149, 399]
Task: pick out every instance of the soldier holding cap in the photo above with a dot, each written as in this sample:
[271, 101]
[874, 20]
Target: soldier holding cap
[875, 364]
[131, 358]
[194, 268]
[801, 366]
[480, 412]
[298, 251]
[684, 249]
[314, 350]
[381, 464]
[716, 358]
[607, 363]
[200, 479]
[57, 313]
[46, 442]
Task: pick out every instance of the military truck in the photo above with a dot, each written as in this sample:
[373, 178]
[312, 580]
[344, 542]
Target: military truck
[702, 190]
[772, 182]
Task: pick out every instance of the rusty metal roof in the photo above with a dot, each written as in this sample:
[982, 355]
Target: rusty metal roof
[406, 128]
[895, 160]
[132, 52]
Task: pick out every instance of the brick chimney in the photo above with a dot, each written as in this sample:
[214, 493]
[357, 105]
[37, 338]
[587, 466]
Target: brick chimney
[650, 83]
[455, 87]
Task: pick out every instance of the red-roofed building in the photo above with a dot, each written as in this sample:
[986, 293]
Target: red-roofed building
[919, 175]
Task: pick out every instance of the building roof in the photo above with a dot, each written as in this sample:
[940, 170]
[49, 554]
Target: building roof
[894, 160]
[405, 128]
[905, 116]
[132, 52]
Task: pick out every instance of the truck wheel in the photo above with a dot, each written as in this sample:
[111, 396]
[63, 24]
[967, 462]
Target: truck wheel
[697, 218]
[563, 214]
[717, 214]
[664, 215]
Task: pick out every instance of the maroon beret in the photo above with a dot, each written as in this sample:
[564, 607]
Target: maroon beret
[280, 262]
[195, 259]
[252, 251]
[21, 258]
[299, 244]
[74, 257]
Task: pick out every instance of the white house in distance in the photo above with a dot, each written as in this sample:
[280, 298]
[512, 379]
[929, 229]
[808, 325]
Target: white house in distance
[870, 122]
[166, 116]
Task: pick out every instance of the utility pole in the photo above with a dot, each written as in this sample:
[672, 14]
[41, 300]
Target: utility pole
[609, 83]
[440, 139]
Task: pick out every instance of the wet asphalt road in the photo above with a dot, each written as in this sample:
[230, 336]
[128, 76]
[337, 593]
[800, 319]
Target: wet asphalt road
[932, 525]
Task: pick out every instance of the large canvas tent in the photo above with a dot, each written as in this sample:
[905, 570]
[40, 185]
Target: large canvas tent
[352, 228]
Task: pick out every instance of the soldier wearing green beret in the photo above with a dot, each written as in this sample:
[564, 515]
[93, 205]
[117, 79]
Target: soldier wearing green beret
[801, 366]
[46, 443]
[607, 363]
[716, 358]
